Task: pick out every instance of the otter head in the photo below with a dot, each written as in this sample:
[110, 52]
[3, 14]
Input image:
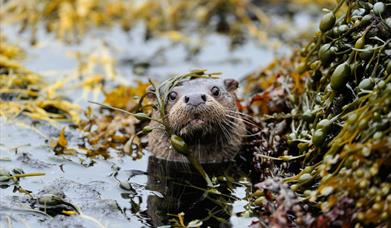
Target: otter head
[203, 112]
[202, 107]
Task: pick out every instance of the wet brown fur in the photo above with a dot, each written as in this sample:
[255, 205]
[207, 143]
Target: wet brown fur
[218, 139]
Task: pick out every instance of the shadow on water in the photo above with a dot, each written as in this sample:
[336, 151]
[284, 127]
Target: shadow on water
[185, 191]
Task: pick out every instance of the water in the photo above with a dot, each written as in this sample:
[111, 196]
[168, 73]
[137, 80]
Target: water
[90, 184]
[52, 57]
[98, 194]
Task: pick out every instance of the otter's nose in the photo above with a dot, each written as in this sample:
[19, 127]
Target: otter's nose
[195, 99]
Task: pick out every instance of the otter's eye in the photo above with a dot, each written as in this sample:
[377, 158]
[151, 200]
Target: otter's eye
[215, 91]
[172, 96]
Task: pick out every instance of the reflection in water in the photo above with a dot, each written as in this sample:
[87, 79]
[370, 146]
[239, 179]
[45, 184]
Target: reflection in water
[184, 190]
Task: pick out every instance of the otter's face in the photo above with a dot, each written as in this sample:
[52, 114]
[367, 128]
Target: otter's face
[201, 107]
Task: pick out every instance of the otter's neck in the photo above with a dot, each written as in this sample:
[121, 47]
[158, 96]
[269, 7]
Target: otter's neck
[211, 149]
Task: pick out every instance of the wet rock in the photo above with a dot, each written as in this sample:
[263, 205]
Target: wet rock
[72, 189]
[85, 196]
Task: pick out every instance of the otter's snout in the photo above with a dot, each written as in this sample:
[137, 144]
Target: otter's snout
[195, 99]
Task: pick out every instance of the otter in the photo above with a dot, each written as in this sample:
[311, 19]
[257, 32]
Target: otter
[203, 111]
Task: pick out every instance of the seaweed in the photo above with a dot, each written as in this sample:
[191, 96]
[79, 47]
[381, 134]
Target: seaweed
[339, 116]
[323, 113]
[23, 92]
[71, 20]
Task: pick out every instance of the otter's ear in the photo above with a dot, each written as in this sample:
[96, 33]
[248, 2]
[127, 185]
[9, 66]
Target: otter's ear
[150, 93]
[231, 84]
